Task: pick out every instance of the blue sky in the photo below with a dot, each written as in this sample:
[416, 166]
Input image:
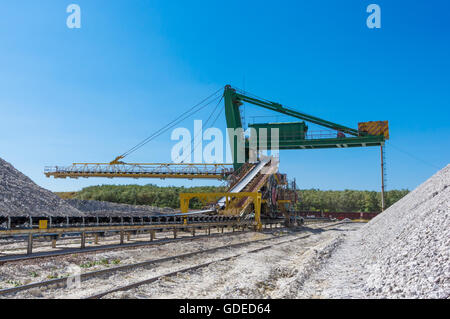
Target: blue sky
[89, 94]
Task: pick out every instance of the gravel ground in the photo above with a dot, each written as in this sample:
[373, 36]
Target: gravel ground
[36, 270]
[275, 264]
[402, 253]
[272, 273]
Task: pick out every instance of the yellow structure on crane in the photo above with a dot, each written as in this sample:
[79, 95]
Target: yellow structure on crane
[229, 208]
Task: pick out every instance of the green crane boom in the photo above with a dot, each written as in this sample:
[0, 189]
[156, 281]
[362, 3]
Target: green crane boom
[294, 135]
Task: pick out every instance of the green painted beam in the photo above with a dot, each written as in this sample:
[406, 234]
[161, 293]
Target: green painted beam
[233, 117]
[234, 100]
[294, 113]
[362, 141]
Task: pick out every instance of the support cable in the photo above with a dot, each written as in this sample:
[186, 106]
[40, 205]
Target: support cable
[414, 156]
[197, 107]
[206, 123]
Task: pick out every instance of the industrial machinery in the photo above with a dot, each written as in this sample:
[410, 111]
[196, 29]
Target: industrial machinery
[255, 187]
[295, 135]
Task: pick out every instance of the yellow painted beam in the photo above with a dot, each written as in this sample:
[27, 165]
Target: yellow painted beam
[255, 196]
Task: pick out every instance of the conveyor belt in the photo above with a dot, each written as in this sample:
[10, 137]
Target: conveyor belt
[246, 179]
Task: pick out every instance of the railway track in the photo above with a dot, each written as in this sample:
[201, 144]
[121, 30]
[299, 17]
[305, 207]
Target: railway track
[5, 257]
[62, 282]
[68, 251]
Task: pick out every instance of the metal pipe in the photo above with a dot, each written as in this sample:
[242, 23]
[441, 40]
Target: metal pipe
[30, 244]
[83, 240]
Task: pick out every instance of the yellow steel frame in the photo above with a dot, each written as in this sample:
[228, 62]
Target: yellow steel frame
[208, 197]
[280, 203]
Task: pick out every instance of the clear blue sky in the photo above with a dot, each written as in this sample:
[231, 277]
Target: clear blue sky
[71, 95]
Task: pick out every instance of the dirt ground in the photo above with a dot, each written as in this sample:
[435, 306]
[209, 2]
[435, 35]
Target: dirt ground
[273, 273]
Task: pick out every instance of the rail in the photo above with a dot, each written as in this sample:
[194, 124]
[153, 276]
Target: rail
[129, 286]
[124, 232]
[131, 267]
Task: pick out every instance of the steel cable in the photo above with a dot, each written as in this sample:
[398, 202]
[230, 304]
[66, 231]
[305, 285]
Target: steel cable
[174, 122]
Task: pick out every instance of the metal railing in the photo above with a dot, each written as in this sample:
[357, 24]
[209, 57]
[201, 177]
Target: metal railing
[140, 170]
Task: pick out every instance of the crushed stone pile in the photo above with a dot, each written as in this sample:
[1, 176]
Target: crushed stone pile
[20, 196]
[402, 253]
[98, 208]
[411, 244]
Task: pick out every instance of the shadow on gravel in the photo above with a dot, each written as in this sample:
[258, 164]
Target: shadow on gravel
[321, 230]
[314, 230]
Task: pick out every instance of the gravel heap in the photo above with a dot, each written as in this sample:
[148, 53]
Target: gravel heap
[410, 244]
[402, 253]
[20, 196]
[98, 208]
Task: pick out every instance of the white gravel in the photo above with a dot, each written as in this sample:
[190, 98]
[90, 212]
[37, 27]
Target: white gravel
[98, 208]
[20, 196]
[402, 253]
[270, 273]
[25, 272]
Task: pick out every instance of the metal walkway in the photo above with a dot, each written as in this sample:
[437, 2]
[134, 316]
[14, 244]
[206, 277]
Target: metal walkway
[130, 170]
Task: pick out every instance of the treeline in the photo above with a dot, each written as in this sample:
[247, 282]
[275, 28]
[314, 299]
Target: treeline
[347, 200]
[150, 194]
[311, 200]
